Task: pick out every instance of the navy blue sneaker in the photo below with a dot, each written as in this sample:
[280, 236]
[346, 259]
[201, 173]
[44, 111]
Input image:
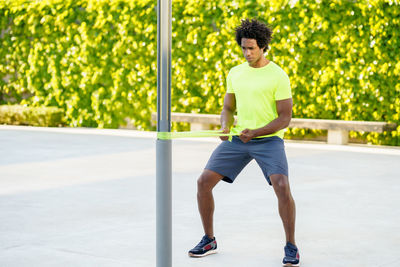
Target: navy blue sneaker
[206, 247]
[292, 256]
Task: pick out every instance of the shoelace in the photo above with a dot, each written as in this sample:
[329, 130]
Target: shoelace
[290, 252]
[203, 242]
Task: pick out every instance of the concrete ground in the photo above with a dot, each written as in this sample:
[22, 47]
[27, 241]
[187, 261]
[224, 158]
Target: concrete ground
[76, 197]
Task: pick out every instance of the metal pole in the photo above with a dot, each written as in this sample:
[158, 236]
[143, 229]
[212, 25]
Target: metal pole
[163, 147]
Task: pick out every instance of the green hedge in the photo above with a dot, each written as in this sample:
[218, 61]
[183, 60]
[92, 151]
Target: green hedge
[96, 59]
[33, 116]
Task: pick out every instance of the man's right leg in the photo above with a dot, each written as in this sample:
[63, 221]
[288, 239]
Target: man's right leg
[205, 184]
[228, 158]
[205, 200]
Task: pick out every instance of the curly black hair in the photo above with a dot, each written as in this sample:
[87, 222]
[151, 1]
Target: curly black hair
[254, 29]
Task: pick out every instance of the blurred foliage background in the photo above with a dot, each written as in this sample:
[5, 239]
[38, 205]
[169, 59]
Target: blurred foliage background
[97, 59]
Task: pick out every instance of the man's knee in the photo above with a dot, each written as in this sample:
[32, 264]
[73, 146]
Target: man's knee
[207, 180]
[280, 183]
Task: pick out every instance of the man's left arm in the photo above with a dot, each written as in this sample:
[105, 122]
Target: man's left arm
[284, 110]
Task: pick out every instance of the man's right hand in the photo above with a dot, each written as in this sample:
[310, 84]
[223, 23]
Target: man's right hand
[224, 130]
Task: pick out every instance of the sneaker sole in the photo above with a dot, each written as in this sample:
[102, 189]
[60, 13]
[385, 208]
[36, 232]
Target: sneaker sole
[291, 265]
[202, 255]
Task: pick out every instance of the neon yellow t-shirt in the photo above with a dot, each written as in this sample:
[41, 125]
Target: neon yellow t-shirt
[256, 90]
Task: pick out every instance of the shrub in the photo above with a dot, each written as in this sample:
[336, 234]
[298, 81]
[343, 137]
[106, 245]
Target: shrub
[96, 59]
[33, 116]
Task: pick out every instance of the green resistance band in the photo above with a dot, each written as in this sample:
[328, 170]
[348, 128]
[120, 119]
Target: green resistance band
[173, 135]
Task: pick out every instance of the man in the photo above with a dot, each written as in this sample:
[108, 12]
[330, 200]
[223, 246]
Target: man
[260, 92]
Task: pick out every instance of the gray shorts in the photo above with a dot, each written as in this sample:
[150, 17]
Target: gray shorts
[229, 158]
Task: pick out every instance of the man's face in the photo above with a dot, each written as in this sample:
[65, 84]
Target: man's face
[251, 51]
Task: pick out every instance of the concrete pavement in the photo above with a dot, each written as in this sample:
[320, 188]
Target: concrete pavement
[86, 197]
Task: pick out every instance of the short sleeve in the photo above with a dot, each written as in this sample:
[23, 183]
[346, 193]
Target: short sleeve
[229, 84]
[283, 90]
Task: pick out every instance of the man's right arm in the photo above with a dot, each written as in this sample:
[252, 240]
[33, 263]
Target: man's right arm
[227, 114]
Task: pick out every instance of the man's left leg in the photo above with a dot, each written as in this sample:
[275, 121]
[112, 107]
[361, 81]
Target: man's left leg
[287, 211]
[287, 208]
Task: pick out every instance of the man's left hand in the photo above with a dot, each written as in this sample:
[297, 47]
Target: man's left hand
[246, 135]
